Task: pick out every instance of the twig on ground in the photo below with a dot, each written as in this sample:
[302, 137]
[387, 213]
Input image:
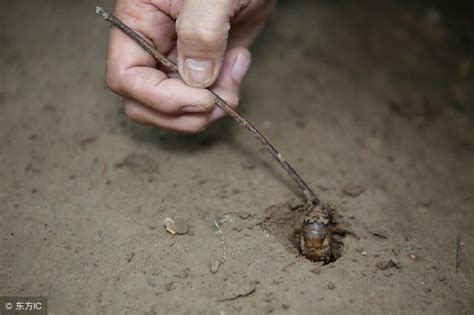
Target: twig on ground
[235, 297]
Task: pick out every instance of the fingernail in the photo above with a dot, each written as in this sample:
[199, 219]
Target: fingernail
[198, 72]
[240, 67]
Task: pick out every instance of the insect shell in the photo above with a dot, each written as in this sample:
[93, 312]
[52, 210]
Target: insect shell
[315, 237]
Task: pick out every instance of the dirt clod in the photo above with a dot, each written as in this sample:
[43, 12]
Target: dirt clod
[391, 263]
[139, 163]
[353, 190]
[129, 257]
[316, 270]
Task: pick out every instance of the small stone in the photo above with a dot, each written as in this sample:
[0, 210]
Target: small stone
[129, 257]
[363, 253]
[353, 190]
[414, 257]
[237, 228]
[382, 265]
[169, 286]
[316, 270]
[391, 263]
[331, 285]
[175, 227]
[394, 263]
[214, 266]
[294, 204]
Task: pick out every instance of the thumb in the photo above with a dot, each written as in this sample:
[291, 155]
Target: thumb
[203, 29]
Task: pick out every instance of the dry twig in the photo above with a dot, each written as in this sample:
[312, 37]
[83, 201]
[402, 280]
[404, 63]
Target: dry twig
[307, 191]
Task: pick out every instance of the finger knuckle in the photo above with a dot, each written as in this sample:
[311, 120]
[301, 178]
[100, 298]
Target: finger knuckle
[233, 100]
[201, 34]
[112, 82]
[197, 127]
[132, 112]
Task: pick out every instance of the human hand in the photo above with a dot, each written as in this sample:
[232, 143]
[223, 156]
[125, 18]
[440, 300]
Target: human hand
[207, 38]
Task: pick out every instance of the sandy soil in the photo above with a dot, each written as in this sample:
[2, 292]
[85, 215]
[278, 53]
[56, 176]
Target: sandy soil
[352, 94]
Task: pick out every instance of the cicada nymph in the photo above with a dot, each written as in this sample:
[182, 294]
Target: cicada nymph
[317, 235]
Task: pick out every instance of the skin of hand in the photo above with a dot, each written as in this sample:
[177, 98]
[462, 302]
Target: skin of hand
[207, 38]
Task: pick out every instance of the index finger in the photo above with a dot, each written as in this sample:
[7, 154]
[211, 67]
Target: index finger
[123, 53]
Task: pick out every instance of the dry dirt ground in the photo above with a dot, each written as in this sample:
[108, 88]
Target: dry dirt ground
[371, 96]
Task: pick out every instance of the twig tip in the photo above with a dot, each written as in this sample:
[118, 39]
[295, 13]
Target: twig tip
[101, 12]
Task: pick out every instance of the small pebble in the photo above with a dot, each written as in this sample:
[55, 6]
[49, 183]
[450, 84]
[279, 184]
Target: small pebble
[331, 285]
[391, 263]
[214, 266]
[382, 265]
[129, 257]
[316, 270]
[237, 228]
[395, 263]
[175, 227]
